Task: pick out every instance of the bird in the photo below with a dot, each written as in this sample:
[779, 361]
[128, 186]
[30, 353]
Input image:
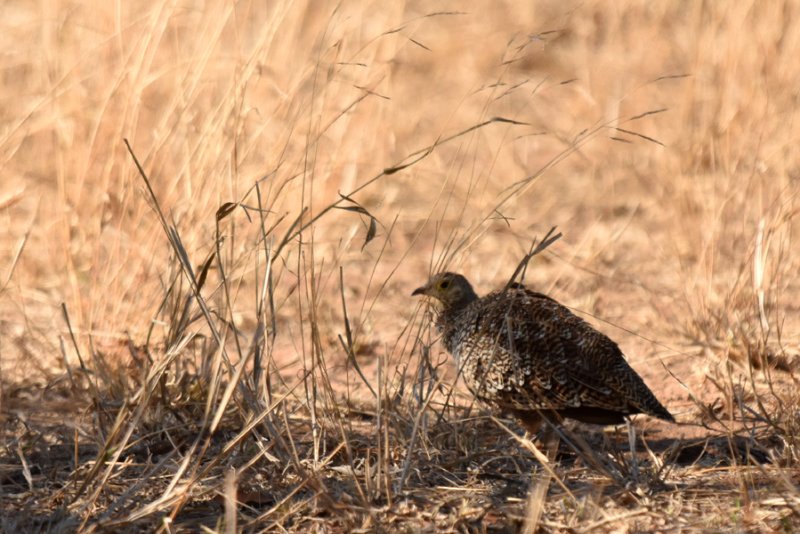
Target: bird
[529, 356]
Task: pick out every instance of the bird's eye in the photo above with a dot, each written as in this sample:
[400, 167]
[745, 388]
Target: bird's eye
[444, 284]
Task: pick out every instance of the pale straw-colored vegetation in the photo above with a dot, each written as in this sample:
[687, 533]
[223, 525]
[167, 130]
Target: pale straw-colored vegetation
[223, 337]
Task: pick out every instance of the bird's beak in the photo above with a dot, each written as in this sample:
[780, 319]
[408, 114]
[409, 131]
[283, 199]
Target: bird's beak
[420, 291]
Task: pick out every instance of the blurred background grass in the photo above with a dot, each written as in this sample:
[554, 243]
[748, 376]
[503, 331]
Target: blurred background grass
[313, 98]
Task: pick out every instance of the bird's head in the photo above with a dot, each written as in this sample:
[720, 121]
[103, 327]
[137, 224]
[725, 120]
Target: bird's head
[453, 290]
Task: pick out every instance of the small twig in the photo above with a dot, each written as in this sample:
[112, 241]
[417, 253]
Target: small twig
[548, 240]
[410, 450]
[351, 357]
[95, 391]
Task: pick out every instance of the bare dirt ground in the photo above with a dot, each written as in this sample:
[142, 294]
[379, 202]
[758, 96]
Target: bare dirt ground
[224, 338]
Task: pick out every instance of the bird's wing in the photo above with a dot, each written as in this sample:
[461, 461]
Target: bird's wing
[559, 360]
[594, 364]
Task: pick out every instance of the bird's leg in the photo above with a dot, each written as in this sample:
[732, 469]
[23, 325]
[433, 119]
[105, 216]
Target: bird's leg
[541, 427]
[632, 447]
[531, 421]
[550, 441]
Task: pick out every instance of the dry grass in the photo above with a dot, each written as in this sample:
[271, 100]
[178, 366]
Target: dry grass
[223, 338]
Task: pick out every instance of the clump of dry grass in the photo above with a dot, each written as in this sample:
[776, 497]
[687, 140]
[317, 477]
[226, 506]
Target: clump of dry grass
[204, 318]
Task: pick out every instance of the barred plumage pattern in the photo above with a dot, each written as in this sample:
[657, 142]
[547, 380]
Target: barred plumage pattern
[525, 353]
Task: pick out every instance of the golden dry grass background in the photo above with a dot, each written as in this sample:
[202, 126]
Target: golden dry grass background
[677, 226]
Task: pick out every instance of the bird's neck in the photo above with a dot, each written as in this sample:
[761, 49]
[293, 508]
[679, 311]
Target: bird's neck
[466, 298]
[449, 311]
[450, 325]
